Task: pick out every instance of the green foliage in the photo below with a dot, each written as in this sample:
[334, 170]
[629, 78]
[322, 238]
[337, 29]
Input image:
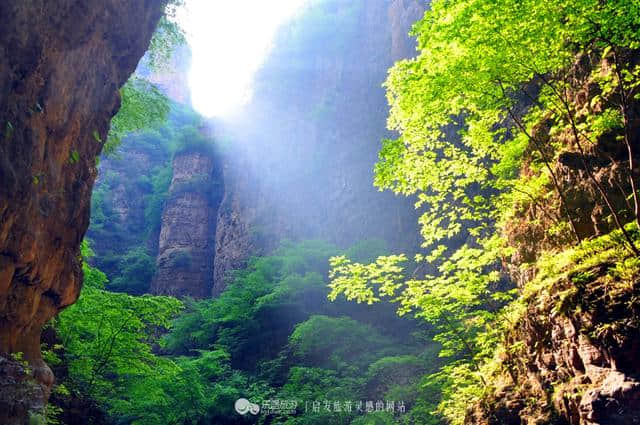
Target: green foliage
[105, 338]
[194, 140]
[276, 324]
[142, 106]
[167, 37]
[136, 269]
[335, 342]
[272, 335]
[464, 133]
[118, 240]
[74, 157]
[107, 346]
[392, 374]
[154, 201]
[259, 305]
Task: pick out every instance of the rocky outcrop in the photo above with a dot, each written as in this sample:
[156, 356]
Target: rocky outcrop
[302, 163]
[572, 358]
[604, 160]
[61, 65]
[187, 233]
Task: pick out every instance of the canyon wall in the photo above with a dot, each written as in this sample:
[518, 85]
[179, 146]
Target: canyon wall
[187, 233]
[297, 164]
[120, 226]
[301, 164]
[129, 197]
[61, 65]
[570, 357]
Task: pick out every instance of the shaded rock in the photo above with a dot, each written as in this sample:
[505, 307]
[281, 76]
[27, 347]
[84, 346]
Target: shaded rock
[615, 402]
[187, 234]
[61, 65]
[574, 368]
[302, 167]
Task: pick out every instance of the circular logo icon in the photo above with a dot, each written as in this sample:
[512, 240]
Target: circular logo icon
[254, 409]
[242, 406]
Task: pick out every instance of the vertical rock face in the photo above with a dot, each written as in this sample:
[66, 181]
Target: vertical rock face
[577, 362]
[128, 196]
[187, 233]
[303, 164]
[402, 15]
[61, 65]
[118, 219]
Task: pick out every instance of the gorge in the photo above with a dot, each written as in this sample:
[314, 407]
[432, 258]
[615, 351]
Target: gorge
[439, 228]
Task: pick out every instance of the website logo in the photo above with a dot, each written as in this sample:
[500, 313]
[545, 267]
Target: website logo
[244, 406]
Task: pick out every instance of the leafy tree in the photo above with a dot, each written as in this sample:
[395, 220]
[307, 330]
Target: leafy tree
[272, 335]
[466, 108]
[292, 344]
[260, 306]
[136, 271]
[336, 342]
[143, 106]
[160, 182]
[105, 339]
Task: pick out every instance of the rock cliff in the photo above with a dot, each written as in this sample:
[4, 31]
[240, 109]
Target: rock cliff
[119, 223]
[571, 357]
[61, 65]
[187, 233]
[302, 163]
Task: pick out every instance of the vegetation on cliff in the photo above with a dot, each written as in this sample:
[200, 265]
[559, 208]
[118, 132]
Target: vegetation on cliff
[272, 335]
[518, 129]
[127, 206]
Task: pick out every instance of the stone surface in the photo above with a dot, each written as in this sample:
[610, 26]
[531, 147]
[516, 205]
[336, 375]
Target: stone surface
[302, 164]
[187, 233]
[616, 401]
[172, 78]
[579, 362]
[61, 65]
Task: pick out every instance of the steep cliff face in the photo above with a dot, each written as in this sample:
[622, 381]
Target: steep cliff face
[307, 144]
[572, 358]
[187, 233]
[128, 200]
[133, 188]
[120, 209]
[61, 65]
[606, 159]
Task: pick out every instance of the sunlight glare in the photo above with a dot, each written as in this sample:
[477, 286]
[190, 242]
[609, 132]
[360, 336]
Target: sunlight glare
[229, 41]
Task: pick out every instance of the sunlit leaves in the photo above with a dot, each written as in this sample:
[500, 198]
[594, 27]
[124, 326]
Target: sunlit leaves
[464, 130]
[356, 280]
[105, 336]
[143, 107]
